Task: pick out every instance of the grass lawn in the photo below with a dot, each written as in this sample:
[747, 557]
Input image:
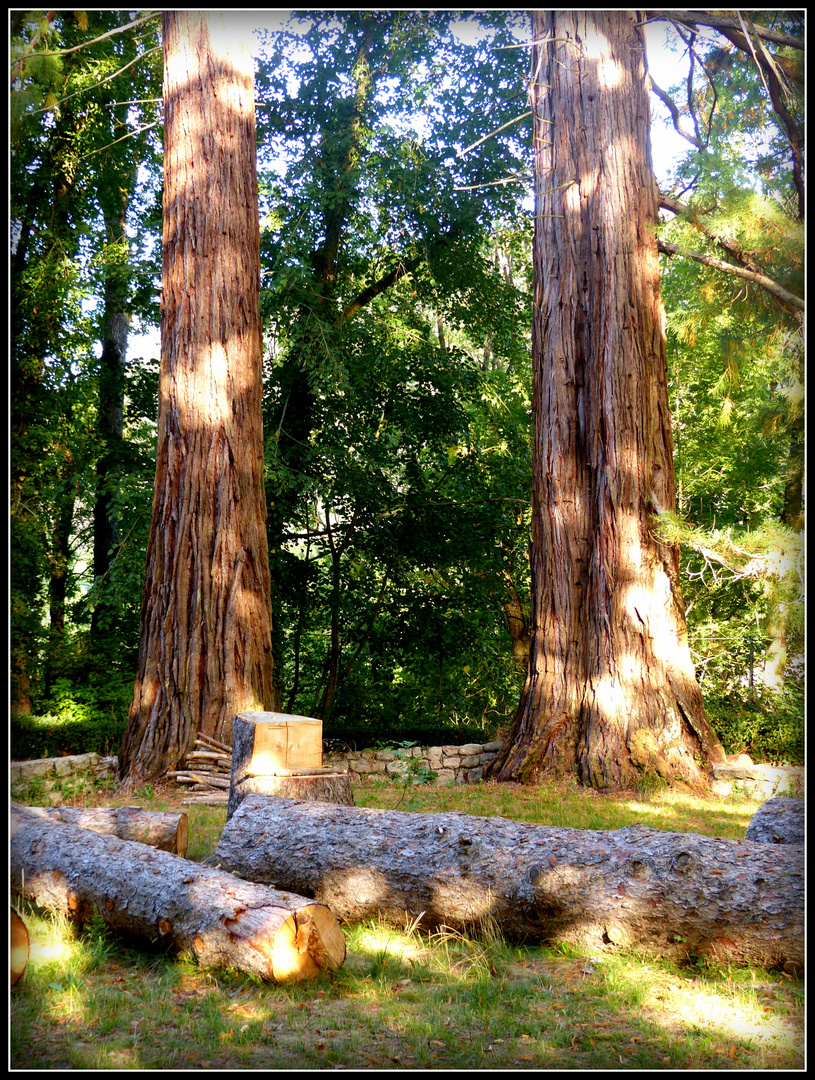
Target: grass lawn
[405, 999]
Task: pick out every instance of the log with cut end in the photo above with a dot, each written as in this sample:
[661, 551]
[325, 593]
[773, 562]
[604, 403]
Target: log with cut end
[670, 894]
[144, 892]
[168, 831]
[19, 947]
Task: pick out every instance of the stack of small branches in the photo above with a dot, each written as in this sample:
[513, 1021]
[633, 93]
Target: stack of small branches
[207, 768]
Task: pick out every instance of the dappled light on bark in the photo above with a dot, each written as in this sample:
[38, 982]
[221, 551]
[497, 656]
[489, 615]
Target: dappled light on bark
[611, 690]
[205, 652]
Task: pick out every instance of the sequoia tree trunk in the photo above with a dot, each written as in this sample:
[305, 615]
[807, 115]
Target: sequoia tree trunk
[150, 894]
[205, 650]
[667, 894]
[611, 688]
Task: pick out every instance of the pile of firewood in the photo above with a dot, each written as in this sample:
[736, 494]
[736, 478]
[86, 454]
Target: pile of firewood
[207, 769]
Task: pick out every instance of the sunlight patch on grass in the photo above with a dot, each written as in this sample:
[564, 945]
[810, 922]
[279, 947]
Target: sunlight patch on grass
[406, 998]
[380, 941]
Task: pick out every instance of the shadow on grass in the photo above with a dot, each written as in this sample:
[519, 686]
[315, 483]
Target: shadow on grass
[401, 1000]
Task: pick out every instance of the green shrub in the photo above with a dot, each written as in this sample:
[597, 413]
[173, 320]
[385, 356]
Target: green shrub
[77, 719]
[52, 736]
[768, 725]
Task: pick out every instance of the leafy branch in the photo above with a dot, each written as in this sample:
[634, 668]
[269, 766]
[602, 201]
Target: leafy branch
[789, 301]
[726, 560]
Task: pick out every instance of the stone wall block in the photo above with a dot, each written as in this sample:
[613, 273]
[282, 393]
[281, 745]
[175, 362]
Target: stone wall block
[445, 776]
[360, 765]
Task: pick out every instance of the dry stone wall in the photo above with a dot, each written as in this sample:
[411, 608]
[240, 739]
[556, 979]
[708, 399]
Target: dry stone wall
[760, 781]
[451, 764]
[53, 770]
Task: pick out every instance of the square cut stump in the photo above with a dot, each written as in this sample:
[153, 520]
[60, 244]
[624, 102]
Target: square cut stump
[282, 755]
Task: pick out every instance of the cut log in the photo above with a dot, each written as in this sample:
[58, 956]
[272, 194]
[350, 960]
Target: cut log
[207, 740]
[281, 755]
[325, 786]
[144, 892]
[189, 776]
[668, 894]
[778, 821]
[19, 947]
[169, 831]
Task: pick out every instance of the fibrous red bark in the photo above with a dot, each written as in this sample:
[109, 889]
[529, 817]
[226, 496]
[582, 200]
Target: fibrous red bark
[205, 651]
[143, 892]
[610, 690]
[668, 894]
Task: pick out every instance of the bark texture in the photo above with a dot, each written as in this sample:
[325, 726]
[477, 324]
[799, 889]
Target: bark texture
[205, 649]
[611, 689]
[328, 785]
[778, 821]
[669, 894]
[168, 832]
[142, 892]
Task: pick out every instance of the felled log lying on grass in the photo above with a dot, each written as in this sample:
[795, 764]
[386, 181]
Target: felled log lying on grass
[167, 831]
[19, 947]
[668, 894]
[778, 821]
[147, 893]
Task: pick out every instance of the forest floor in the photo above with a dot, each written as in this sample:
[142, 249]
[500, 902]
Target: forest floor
[405, 999]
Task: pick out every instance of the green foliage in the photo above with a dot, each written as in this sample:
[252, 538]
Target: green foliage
[767, 725]
[83, 718]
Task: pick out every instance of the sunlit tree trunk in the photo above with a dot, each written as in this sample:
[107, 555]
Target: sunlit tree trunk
[205, 650]
[611, 688]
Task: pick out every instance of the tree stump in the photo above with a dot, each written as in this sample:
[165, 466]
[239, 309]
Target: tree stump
[19, 947]
[281, 755]
[168, 832]
[144, 892]
[668, 894]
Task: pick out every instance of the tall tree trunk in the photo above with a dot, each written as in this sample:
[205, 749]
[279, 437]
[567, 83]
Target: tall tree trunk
[205, 651]
[611, 688]
[111, 400]
[36, 327]
[59, 558]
